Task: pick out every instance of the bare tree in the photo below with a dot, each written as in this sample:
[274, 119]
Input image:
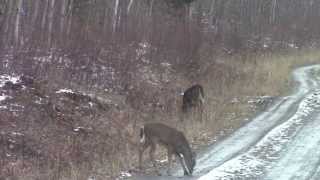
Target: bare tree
[50, 25]
[63, 16]
[17, 32]
[35, 12]
[273, 11]
[70, 17]
[129, 6]
[44, 14]
[7, 22]
[116, 18]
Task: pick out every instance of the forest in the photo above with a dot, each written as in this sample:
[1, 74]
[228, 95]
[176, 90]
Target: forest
[79, 77]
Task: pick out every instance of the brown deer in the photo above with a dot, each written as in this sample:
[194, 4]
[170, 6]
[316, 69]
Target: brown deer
[193, 97]
[175, 142]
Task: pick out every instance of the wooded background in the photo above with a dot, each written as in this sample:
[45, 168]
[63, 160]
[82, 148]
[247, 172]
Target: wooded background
[178, 25]
[95, 70]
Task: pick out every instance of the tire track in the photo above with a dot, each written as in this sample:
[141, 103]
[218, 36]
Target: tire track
[254, 149]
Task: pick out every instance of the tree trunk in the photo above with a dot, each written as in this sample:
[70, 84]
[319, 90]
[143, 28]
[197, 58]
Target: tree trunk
[17, 29]
[273, 11]
[115, 16]
[50, 18]
[35, 13]
[129, 6]
[70, 15]
[62, 16]
[44, 15]
[106, 19]
[8, 24]
[151, 7]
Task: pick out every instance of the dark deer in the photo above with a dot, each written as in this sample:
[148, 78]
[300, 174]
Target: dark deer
[193, 97]
[175, 142]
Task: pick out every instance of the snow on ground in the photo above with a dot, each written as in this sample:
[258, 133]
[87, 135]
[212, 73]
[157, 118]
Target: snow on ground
[302, 156]
[65, 91]
[6, 78]
[43, 59]
[254, 162]
[125, 174]
[3, 107]
[276, 136]
[3, 97]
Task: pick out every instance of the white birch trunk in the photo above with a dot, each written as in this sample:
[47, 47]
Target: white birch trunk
[17, 23]
[44, 15]
[50, 18]
[87, 26]
[129, 6]
[151, 6]
[115, 16]
[273, 11]
[211, 13]
[106, 20]
[189, 10]
[63, 16]
[8, 23]
[70, 12]
[35, 13]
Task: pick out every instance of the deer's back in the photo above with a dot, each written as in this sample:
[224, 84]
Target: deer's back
[165, 135]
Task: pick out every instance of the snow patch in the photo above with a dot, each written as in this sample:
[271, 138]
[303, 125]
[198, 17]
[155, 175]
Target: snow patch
[3, 107]
[4, 97]
[17, 134]
[8, 78]
[81, 128]
[15, 107]
[77, 129]
[39, 100]
[43, 59]
[90, 104]
[163, 160]
[292, 45]
[143, 49]
[166, 64]
[65, 91]
[125, 174]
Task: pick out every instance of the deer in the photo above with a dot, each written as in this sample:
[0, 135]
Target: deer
[193, 97]
[153, 134]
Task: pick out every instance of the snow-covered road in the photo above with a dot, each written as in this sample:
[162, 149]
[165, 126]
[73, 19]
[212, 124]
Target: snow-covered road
[281, 143]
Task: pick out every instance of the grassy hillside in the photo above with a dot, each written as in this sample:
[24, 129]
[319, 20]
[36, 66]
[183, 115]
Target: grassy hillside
[51, 129]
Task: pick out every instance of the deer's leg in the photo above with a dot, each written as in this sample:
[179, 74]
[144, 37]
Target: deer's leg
[183, 164]
[181, 118]
[142, 148]
[152, 152]
[201, 111]
[170, 153]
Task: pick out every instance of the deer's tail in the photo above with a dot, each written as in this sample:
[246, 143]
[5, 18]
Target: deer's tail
[142, 135]
[202, 98]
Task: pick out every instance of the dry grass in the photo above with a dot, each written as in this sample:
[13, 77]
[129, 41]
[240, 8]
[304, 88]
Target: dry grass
[229, 83]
